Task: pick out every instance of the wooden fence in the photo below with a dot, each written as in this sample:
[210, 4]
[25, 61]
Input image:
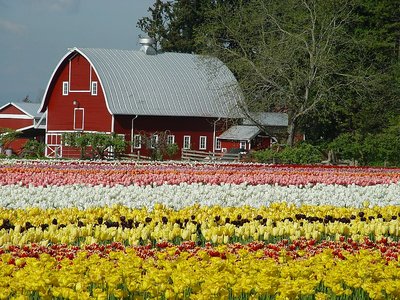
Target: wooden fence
[136, 156]
[194, 155]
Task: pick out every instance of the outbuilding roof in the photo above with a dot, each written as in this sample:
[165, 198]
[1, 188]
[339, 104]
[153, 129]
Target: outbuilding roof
[240, 132]
[267, 119]
[168, 84]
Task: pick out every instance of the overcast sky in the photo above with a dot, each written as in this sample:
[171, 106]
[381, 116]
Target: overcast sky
[36, 34]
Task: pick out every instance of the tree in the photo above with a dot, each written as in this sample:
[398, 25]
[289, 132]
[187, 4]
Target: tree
[173, 23]
[159, 145]
[333, 66]
[282, 52]
[157, 25]
[99, 143]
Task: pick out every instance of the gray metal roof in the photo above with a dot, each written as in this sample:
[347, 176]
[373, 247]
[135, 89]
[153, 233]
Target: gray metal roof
[168, 84]
[267, 119]
[28, 108]
[240, 132]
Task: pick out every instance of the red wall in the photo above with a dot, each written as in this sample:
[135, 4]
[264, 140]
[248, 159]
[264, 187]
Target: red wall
[228, 144]
[178, 126]
[261, 142]
[258, 143]
[60, 115]
[15, 123]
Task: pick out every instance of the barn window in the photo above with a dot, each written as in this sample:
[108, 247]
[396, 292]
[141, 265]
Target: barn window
[170, 139]
[203, 142]
[218, 145]
[94, 88]
[243, 145]
[65, 89]
[186, 142]
[137, 141]
[153, 141]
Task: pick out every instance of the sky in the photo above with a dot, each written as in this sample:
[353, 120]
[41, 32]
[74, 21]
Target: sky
[36, 34]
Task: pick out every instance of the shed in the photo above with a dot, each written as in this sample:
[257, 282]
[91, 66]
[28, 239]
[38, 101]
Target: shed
[24, 118]
[257, 131]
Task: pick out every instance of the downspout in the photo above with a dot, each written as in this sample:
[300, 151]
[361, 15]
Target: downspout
[214, 134]
[132, 134]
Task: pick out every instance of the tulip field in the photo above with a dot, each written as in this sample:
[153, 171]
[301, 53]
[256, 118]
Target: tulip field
[173, 230]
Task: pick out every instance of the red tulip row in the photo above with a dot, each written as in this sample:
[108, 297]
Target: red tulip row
[297, 249]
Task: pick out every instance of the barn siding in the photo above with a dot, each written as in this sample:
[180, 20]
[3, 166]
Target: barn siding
[178, 126]
[229, 144]
[80, 74]
[15, 123]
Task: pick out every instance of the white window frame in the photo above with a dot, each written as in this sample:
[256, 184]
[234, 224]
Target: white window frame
[170, 139]
[203, 142]
[137, 141]
[153, 141]
[94, 88]
[244, 144]
[186, 142]
[218, 144]
[53, 139]
[65, 88]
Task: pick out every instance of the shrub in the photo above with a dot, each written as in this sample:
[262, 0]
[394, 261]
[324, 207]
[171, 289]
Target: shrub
[380, 149]
[33, 149]
[100, 143]
[302, 153]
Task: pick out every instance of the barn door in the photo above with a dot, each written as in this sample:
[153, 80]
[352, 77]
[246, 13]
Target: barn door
[53, 145]
[79, 116]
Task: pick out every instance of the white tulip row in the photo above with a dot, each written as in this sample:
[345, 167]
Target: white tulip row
[183, 195]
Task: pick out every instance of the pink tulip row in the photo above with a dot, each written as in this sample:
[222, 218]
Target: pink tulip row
[111, 174]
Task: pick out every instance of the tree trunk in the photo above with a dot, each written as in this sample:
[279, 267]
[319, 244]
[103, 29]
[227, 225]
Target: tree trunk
[291, 133]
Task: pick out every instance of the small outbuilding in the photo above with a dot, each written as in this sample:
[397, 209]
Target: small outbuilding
[257, 131]
[24, 118]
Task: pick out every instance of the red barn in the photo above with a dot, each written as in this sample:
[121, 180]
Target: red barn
[24, 118]
[139, 94]
[147, 97]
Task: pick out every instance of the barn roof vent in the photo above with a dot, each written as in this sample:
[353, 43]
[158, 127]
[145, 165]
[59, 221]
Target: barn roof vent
[147, 45]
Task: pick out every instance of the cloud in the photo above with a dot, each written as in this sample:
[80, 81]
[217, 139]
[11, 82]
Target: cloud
[70, 6]
[12, 27]
[63, 5]
[56, 6]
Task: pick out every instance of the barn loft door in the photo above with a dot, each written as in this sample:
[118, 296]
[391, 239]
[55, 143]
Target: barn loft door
[79, 116]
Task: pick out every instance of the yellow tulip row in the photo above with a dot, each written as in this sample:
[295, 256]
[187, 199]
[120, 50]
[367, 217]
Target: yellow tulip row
[203, 214]
[72, 234]
[197, 224]
[168, 275]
